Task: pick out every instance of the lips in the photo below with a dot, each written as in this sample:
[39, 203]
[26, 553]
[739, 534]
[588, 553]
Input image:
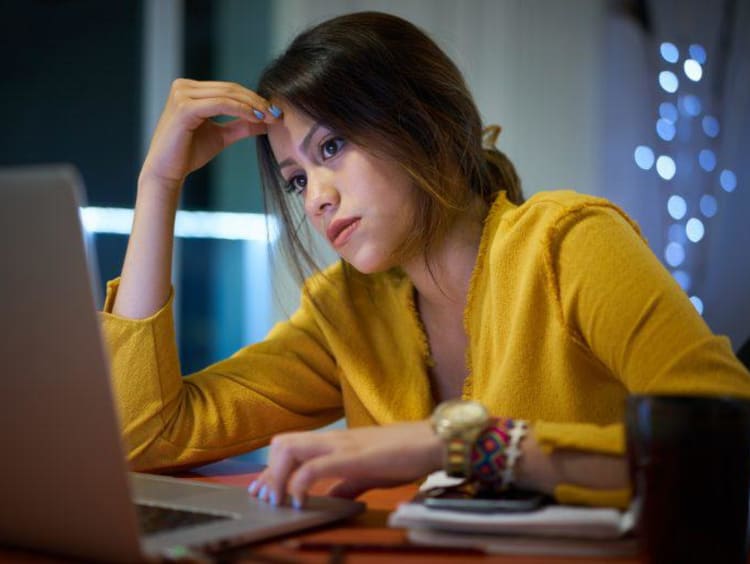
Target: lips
[339, 231]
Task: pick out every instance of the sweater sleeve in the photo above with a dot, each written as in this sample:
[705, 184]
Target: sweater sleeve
[287, 382]
[620, 305]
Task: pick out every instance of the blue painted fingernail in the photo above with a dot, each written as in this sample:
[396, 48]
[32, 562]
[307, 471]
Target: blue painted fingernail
[262, 494]
[273, 499]
[253, 486]
[259, 114]
[276, 112]
[296, 502]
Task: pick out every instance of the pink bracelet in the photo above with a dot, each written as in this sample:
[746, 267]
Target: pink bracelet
[496, 452]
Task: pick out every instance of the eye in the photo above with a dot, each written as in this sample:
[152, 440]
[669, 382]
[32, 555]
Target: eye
[331, 147]
[296, 184]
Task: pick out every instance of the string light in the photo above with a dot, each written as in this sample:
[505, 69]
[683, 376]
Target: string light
[671, 129]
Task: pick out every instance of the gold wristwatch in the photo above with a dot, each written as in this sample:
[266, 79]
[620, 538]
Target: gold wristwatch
[459, 423]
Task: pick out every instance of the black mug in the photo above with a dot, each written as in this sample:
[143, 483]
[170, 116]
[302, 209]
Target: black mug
[689, 462]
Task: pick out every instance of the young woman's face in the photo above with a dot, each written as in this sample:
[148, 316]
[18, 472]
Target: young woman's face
[361, 204]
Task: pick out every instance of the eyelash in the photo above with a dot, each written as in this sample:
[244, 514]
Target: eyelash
[291, 186]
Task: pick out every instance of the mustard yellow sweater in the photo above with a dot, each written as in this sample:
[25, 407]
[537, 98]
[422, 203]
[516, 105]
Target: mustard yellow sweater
[568, 313]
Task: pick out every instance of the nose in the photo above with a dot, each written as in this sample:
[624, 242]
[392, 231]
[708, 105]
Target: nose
[321, 195]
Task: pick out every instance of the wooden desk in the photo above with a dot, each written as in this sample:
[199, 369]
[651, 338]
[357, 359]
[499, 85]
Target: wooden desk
[370, 527]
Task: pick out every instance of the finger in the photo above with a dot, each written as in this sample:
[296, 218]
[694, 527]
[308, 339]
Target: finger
[198, 87]
[254, 486]
[216, 84]
[311, 471]
[246, 97]
[185, 88]
[280, 466]
[287, 452]
[197, 111]
[259, 486]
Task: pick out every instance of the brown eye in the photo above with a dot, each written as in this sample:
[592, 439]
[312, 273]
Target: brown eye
[331, 147]
[296, 184]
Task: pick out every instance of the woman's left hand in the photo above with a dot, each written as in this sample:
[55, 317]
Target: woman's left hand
[362, 458]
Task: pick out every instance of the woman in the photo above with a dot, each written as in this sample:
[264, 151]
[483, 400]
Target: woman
[548, 312]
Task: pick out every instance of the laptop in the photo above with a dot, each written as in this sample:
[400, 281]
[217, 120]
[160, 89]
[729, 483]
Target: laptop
[64, 479]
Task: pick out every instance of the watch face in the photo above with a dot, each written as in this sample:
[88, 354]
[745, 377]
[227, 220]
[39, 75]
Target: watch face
[465, 412]
[461, 414]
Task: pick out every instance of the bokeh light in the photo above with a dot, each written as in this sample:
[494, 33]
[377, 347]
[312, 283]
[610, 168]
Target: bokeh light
[665, 129]
[708, 205]
[697, 53]
[665, 167]
[693, 70]
[683, 279]
[669, 81]
[677, 207]
[710, 126]
[674, 254]
[728, 180]
[707, 160]
[668, 111]
[669, 52]
[698, 303]
[644, 157]
[694, 229]
[690, 105]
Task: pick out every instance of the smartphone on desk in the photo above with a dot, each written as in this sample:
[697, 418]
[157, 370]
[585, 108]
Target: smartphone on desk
[471, 499]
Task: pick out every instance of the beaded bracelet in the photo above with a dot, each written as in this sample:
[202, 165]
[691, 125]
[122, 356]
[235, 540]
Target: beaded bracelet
[496, 452]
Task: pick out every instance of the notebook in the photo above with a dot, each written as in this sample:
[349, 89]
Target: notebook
[549, 530]
[65, 484]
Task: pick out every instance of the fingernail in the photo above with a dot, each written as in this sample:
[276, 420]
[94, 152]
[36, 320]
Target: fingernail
[253, 486]
[273, 499]
[259, 114]
[296, 502]
[262, 494]
[276, 112]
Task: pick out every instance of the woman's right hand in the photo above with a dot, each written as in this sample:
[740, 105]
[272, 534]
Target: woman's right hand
[186, 137]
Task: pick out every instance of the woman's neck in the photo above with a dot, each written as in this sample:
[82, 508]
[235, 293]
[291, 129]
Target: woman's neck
[445, 284]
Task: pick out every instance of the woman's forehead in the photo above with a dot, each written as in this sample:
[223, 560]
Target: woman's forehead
[288, 133]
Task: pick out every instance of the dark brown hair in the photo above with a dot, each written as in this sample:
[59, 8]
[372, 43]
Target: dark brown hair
[383, 84]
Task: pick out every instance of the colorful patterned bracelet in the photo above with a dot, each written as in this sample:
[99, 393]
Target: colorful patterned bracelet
[496, 452]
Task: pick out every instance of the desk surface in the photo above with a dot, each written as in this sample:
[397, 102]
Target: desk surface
[369, 527]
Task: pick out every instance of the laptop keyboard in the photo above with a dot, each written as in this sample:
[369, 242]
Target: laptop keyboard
[155, 519]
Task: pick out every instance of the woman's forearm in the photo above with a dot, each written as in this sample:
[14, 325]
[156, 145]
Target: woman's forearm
[146, 274]
[544, 472]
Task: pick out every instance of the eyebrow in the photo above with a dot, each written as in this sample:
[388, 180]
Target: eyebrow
[303, 146]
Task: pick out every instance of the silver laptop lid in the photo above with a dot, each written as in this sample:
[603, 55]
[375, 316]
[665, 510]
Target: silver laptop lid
[64, 482]
[55, 390]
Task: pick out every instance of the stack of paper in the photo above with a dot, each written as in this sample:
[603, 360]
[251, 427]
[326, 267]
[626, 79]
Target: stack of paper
[551, 530]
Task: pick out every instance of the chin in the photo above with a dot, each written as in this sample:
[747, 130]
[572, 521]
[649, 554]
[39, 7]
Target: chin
[369, 264]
